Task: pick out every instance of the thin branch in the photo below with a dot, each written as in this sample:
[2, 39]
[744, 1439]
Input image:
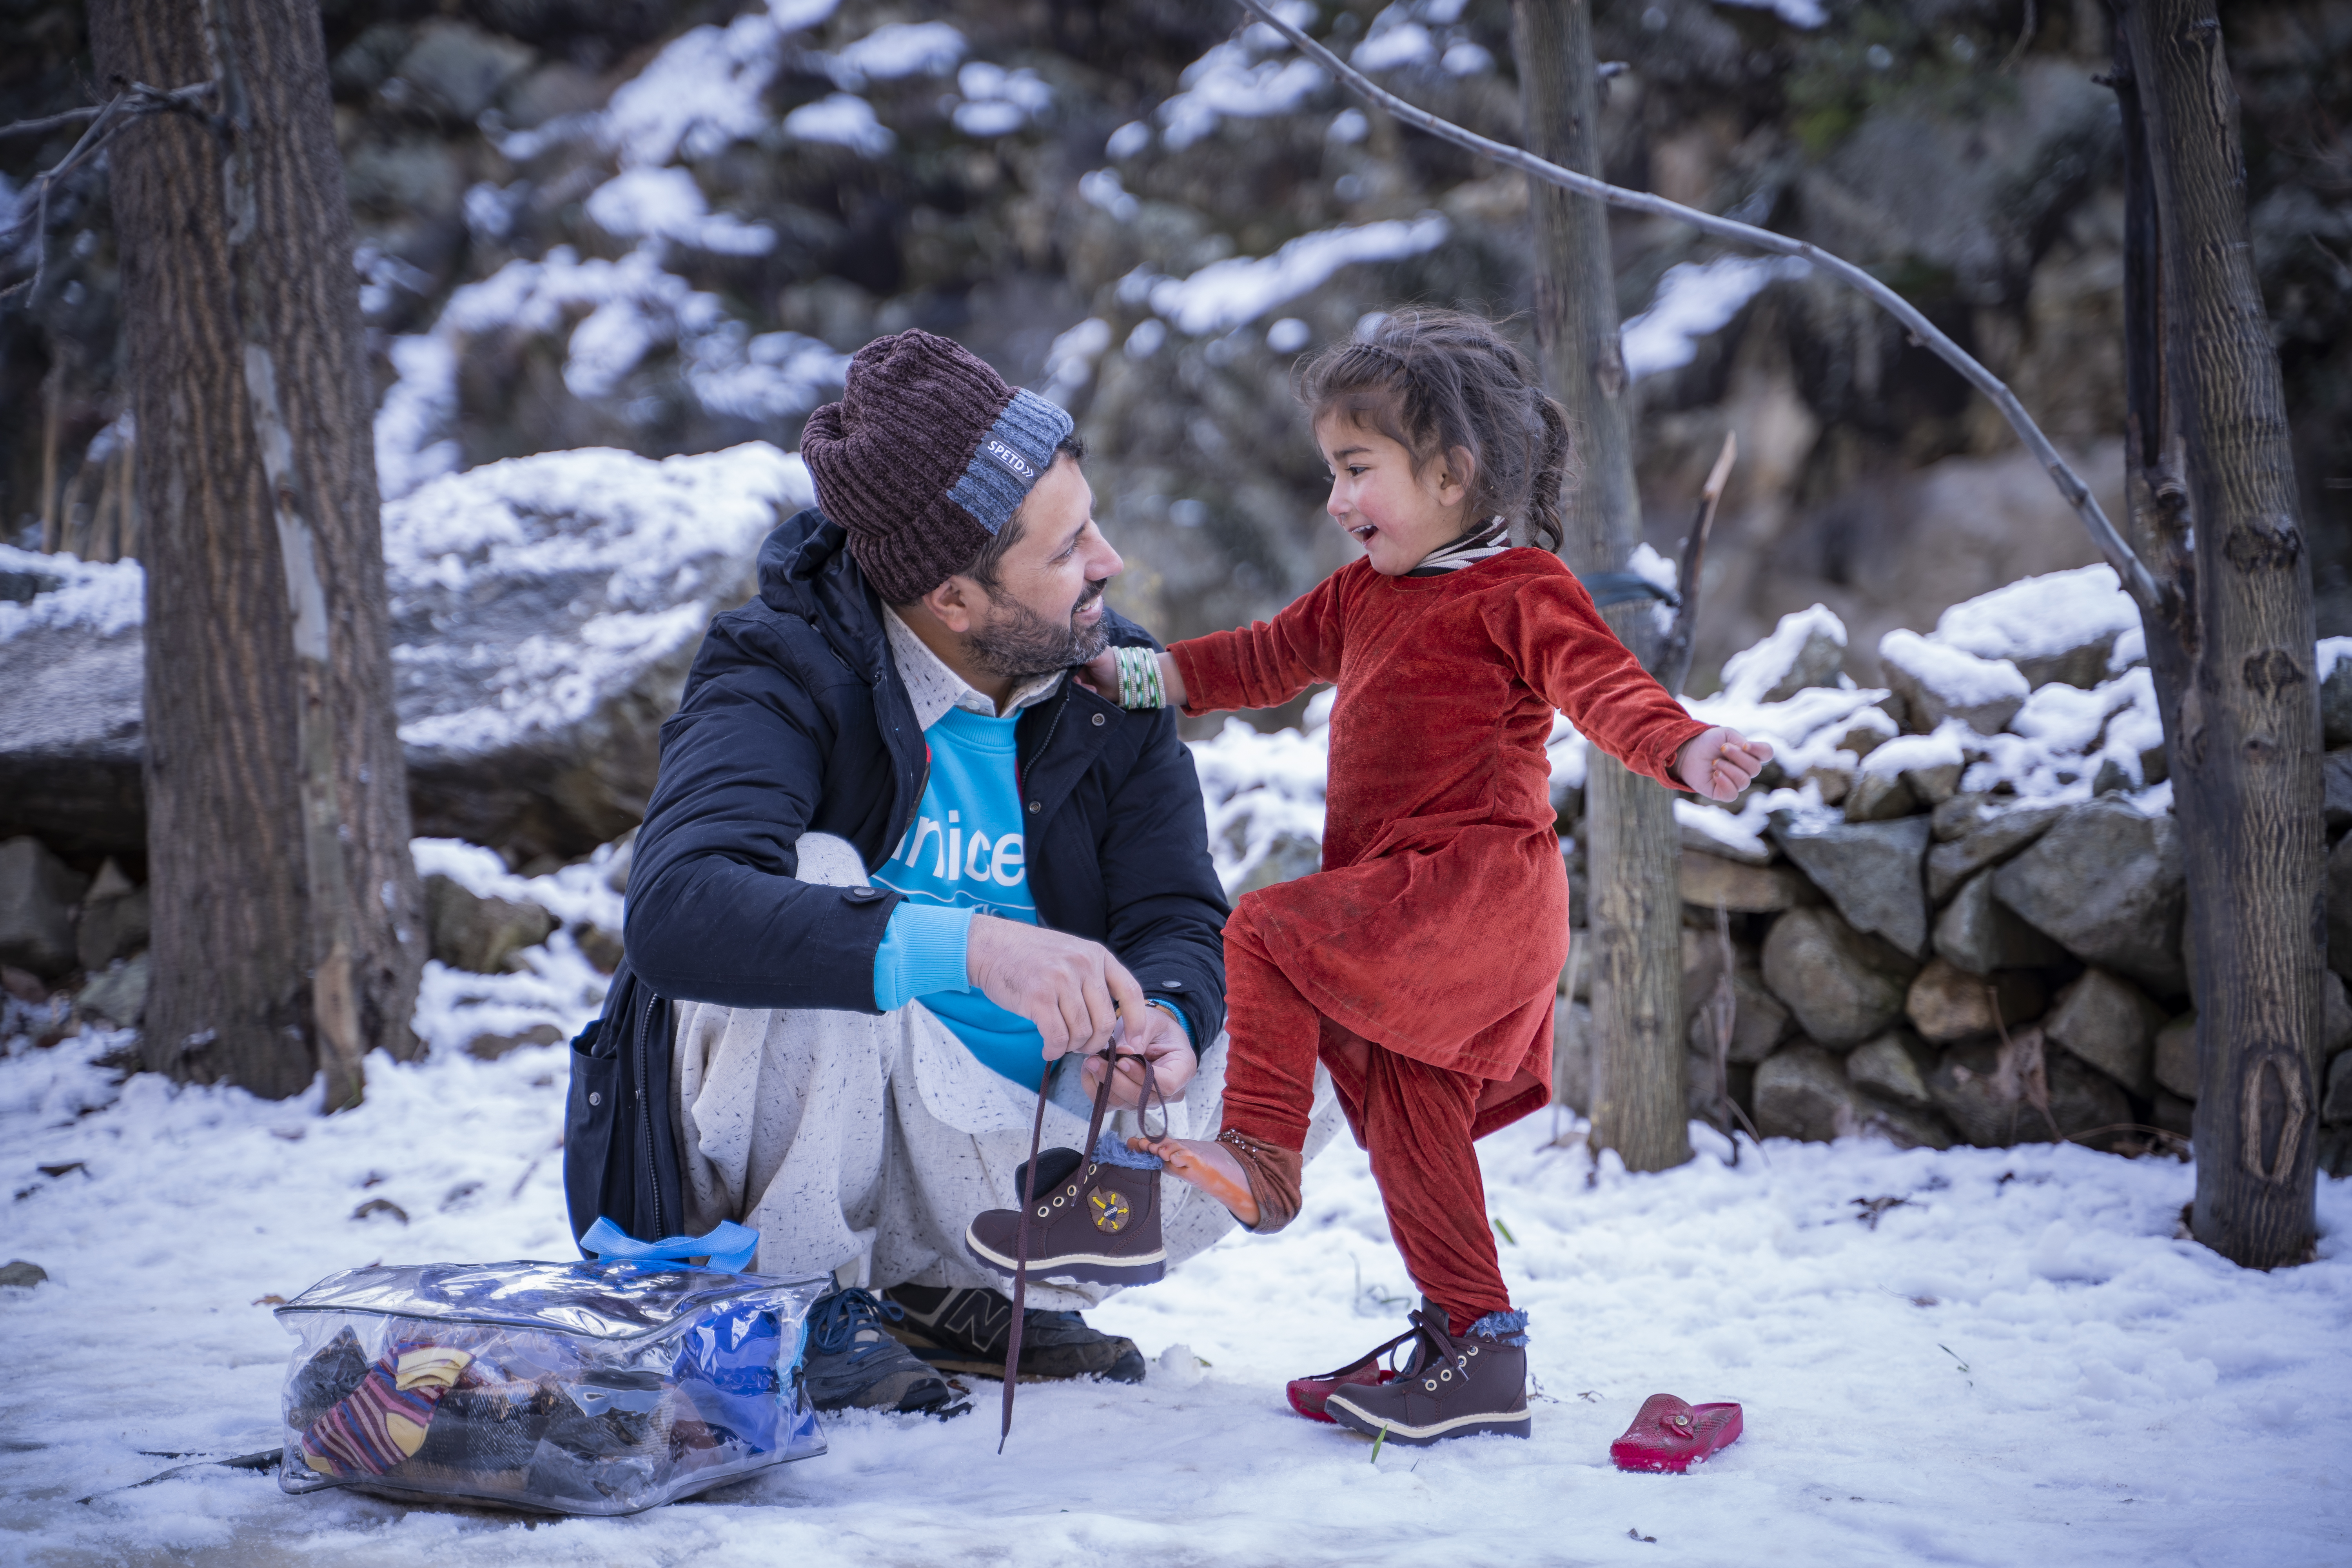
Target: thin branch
[2070, 485]
[1675, 660]
[178, 98]
[135, 102]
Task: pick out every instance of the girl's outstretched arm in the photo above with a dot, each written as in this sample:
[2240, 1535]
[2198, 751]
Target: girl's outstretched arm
[1264, 664]
[1564, 649]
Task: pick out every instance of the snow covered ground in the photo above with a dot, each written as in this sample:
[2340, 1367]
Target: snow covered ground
[2019, 1363]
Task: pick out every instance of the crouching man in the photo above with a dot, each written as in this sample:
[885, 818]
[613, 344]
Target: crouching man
[898, 866]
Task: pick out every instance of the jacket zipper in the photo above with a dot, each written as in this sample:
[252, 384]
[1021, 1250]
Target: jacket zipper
[646, 1120]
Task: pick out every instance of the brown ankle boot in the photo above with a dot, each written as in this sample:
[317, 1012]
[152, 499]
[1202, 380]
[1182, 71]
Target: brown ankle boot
[1098, 1225]
[1274, 1178]
[1475, 1385]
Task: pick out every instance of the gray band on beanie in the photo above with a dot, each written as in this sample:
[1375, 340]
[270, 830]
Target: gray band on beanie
[1010, 459]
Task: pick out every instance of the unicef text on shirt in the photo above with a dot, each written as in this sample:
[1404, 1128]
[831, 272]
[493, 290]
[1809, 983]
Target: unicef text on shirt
[956, 858]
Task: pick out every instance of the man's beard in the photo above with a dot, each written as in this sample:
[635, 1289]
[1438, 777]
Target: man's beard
[1022, 643]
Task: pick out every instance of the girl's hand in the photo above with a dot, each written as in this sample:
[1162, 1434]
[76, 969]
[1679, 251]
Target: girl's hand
[1099, 674]
[1720, 763]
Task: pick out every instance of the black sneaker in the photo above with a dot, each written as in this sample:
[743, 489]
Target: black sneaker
[964, 1331]
[853, 1363]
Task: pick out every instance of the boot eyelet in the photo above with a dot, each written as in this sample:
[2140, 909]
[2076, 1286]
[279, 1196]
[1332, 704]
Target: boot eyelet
[1473, 1349]
[1057, 1202]
[1446, 1376]
[1044, 1212]
[1429, 1384]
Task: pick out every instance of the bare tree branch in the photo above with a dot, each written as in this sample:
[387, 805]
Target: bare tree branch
[1674, 658]
[133, 102]
[2119, 554]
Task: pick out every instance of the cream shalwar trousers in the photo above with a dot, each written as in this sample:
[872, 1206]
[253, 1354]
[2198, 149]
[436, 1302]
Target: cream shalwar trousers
[861, 1145]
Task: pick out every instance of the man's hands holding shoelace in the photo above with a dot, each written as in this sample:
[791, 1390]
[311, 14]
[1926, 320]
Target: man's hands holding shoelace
[1076, 992]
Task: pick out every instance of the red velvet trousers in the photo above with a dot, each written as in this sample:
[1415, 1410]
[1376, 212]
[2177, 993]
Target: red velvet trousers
[1418, 1121]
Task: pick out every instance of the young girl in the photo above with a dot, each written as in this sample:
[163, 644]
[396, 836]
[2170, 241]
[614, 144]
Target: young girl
[1420, 966]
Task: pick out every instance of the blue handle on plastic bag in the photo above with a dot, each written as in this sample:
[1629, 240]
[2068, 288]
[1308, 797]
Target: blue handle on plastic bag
[729, 1246]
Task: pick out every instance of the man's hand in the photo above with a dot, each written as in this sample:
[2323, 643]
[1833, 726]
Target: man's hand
[1161, 1040]
[1072, 989]
[1720, 763]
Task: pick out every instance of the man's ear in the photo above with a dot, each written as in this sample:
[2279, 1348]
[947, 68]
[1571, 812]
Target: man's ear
[952, 604]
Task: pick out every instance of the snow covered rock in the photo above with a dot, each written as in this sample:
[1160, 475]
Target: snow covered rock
[1870, 871]
[1938, 682]
[1977, 932]
[544, 613]
[1946, 1004]
[1804, 650]
[72, 677]
[2107, 1021]
[37, 895]
[2106, 881]
[1841, 987]
[1975, 832]
[2059, 626]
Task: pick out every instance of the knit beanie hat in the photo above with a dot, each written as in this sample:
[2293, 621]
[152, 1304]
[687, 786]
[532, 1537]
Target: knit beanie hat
[925, 458]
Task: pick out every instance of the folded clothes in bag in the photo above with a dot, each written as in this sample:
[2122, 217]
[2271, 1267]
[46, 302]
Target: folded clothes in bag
[599, 1387]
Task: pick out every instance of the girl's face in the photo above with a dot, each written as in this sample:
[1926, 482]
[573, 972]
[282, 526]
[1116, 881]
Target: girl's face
[1397, 515]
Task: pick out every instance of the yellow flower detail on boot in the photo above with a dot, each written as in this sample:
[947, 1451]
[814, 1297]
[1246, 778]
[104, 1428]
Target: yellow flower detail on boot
[1110, 1210]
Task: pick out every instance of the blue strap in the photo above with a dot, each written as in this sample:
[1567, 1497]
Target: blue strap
[729, 1245]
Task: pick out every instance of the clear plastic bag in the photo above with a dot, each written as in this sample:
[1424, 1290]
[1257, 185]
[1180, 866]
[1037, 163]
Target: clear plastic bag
[601, 1387]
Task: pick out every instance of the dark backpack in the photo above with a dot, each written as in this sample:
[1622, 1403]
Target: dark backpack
[620, 1144]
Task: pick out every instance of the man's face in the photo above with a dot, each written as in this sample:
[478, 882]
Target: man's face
[1046, 612]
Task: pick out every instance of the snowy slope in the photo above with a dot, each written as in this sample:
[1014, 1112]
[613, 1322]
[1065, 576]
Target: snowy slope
[2019, 1365]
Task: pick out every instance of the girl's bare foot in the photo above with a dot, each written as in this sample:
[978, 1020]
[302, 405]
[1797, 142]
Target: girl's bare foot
[1208, 1166]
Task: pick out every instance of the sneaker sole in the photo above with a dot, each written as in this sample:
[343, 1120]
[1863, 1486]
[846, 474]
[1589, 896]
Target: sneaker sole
[1343, 1414]
[1086, 1267]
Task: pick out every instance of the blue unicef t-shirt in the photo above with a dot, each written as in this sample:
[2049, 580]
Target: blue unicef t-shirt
[967, 853]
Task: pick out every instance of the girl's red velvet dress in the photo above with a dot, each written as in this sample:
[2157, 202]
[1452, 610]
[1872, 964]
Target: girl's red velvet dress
[1437, 927]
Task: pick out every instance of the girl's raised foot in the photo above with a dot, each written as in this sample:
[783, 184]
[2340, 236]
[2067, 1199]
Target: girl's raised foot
[1209, 1166]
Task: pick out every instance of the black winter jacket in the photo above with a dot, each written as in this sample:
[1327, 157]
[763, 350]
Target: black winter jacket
[794, 720]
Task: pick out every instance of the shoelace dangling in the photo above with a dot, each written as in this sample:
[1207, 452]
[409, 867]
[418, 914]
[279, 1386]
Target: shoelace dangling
[1111, 1056]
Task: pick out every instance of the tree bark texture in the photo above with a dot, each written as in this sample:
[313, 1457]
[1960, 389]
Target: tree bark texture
[1632, 847]
[2230, 639]
[289, 931]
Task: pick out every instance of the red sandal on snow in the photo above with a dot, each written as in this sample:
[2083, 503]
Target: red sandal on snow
[1672, 1436]
[1308, 1394]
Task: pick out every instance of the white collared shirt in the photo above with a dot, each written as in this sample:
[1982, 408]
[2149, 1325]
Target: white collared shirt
[935, 688]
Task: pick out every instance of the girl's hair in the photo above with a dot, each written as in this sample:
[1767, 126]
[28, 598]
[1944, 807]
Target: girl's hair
[1434, 380]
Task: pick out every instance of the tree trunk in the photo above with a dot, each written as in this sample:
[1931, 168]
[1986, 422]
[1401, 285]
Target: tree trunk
[2231, 642]
[289, 934]
[1632, 848]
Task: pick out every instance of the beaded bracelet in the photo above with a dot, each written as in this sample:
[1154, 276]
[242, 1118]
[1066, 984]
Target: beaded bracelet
[1139, 683]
